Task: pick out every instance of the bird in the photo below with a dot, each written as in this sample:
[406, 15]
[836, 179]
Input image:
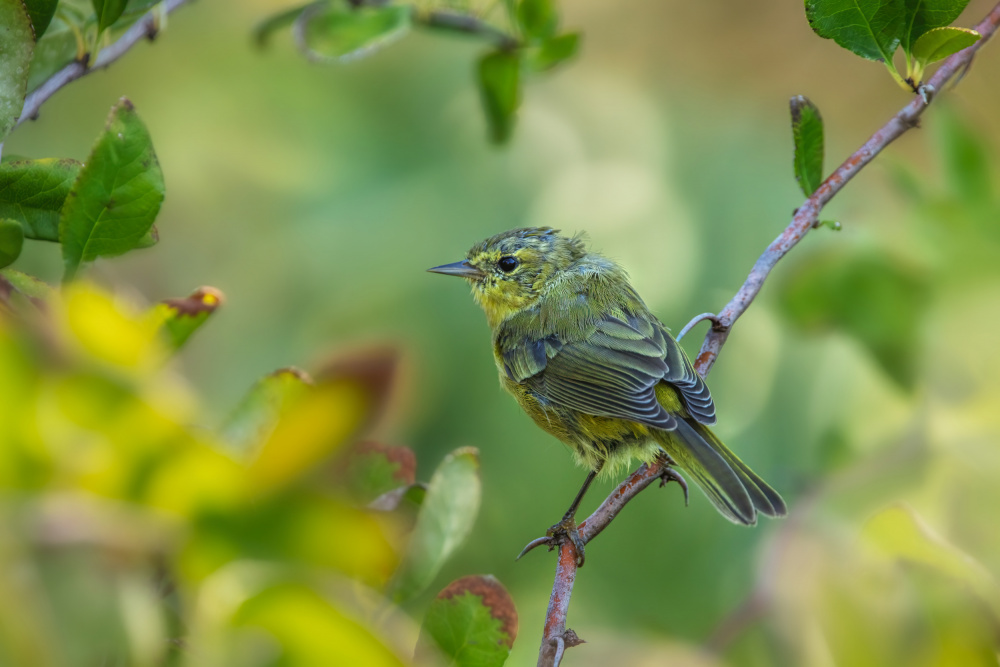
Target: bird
[581, 353]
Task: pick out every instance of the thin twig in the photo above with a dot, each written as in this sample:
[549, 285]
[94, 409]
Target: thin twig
[805, 217]
[144, 28]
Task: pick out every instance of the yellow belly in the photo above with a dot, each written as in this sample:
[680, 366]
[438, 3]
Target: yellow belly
[605, 442]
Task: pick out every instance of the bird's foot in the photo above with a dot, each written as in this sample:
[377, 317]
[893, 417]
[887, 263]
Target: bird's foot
[566, 530]
[670, 475]
[556, 536]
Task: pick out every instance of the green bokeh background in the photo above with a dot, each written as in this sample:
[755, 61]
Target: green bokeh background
[315, 196]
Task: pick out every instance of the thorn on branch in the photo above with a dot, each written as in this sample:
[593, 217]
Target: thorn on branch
[712, 317]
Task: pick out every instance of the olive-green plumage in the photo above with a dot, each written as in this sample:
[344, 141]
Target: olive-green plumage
[581, 353]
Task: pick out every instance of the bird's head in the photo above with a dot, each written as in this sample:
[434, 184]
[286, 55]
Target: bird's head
[510, 271]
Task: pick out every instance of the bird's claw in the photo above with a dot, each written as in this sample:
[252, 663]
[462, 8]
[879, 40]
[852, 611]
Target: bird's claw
[670, 475]
[566, 529]
[536, 543]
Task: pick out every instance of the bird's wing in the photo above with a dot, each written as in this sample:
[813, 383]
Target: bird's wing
[611, 371]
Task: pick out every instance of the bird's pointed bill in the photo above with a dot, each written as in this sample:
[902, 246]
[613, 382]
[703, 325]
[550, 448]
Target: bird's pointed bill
[461, 269]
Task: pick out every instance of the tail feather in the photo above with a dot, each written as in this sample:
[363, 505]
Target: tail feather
[712, 472]
[735, 490]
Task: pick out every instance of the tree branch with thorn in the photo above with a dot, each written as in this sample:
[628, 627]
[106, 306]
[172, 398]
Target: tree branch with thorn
[557, 637]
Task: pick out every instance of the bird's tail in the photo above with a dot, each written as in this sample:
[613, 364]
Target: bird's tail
[735, 490]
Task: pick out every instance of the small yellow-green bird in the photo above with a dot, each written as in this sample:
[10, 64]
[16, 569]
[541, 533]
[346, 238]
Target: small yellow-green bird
[584, 357]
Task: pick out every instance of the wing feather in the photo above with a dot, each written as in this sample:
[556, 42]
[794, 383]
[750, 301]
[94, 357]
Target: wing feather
[610, 372]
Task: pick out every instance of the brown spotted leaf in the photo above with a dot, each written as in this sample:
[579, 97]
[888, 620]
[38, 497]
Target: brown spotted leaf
[179, 318]
[473, 622]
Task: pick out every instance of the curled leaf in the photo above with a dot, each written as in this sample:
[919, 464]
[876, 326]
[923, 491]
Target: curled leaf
[179, 318]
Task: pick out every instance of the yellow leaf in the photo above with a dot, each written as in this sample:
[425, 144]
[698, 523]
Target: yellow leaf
[110, 331]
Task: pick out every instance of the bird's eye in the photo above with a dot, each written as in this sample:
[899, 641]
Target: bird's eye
[507, 264]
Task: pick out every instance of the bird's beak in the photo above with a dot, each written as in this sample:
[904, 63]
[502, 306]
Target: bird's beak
[461, 269]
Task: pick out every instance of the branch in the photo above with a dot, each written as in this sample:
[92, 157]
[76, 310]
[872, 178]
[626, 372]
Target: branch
[557, 637]
[807, 214]
[145, 28]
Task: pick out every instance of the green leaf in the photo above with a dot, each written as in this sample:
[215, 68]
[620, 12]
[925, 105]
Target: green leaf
[939, 43]
[538, 19]
[263, 31]
[41, 13]
[253, 420]
[807, 131]
[17, 42]
[446, 517]
[56, 49]
[107, 12]
[869, 28]
[11, 241]
[552, 52]
[873, 297]
[920, 16]
[179, 318]
[500, 90]
[333, 33]
[116, 196]
[473, 622]
[33, 192]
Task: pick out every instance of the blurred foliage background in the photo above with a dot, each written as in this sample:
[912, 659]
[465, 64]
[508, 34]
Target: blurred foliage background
[861, 384]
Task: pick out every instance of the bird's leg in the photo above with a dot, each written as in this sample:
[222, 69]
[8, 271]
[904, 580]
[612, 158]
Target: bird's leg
[566, 528]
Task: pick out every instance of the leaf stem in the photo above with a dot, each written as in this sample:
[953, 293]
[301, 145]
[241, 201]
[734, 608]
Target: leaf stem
[889, 65]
